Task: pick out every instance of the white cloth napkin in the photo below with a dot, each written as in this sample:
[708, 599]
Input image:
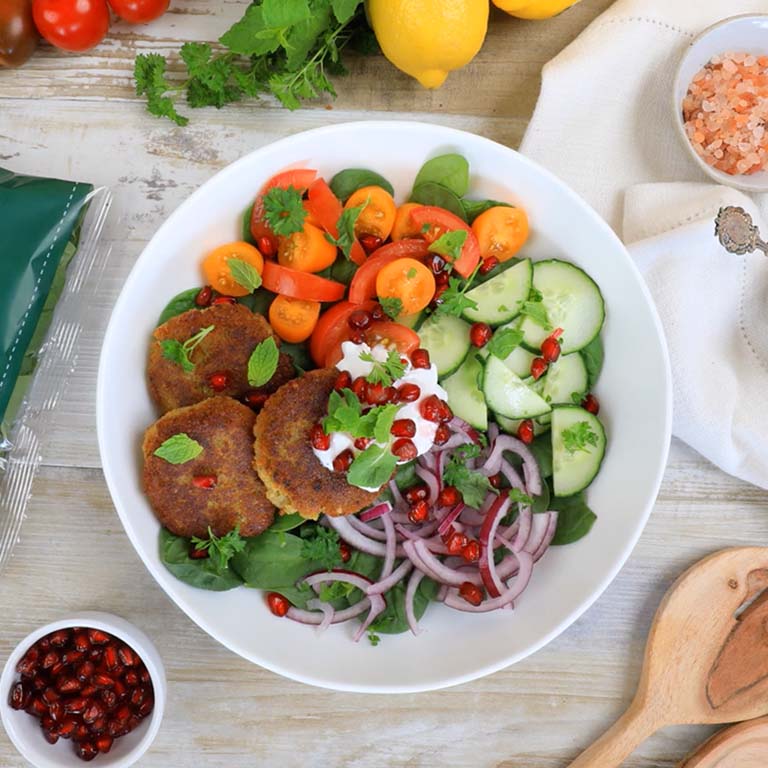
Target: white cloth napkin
[604, 124]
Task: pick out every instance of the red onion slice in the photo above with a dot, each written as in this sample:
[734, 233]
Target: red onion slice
[380, 587]
[449, 518]
[429, 477]
[486, 565]
[397, 497]
[357, 540]
[378, 604]
[391, 547]
[316, 618]
[376, 511]
[525, 522]
[338, 574]
[366, 529]
[434, 543]
[530, 466]
[546, 539]
[442, 572]
[513, 478]
[410, 594]
[326, 609]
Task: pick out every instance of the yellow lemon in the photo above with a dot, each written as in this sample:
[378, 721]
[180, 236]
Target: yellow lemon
[534, 9]
[428, 38]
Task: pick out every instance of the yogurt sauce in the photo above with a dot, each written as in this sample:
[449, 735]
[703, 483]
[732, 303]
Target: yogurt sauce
[425, 378]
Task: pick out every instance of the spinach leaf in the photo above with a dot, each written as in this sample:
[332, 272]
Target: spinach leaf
[593, 359]
[432, 193]
[574, 520]
[343, 270]
[542, 503]
[258, 301]
[541, 448]
[348, 181]
[393, 620]
[179, 304]
[246, 225]
[473, 208]
[299, 353]
[287, 523]
[450, 171]
[174, 555]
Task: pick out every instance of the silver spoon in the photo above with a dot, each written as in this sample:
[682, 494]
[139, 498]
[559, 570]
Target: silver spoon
[737, 233]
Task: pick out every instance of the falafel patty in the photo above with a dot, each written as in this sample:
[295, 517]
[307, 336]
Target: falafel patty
[224, 429]
[296, 481]
[224, 351]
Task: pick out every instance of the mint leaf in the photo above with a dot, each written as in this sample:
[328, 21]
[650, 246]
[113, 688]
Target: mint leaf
[244, 274]
[284, 210]
[280, 14]
[346, 228]
[504, 342]
[263, 362]
[179, 449]
[537, 312]
[579, 437]
[344, 10]
[221, 549]
[179, 352]
[385, 418]
[392, 306]
[372, 468]
[450, 244]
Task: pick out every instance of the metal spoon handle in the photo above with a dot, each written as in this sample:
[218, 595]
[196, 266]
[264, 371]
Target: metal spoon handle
[737, 233]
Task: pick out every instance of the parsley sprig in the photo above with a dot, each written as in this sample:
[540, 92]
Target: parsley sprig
[179, 352]
[284, 210]
[579, 437]
[384, 372]
[453, 301]
[221, 549]
[391, 306]
[346, 229]
[321, 545]
[473, 486]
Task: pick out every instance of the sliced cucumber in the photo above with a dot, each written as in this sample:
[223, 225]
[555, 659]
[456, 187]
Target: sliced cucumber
[412, 321]
[508, 395]
[573, 302]
[573, 471]
[564, 378]
[500, 299]
[447, 339]
[510, 426]
[464, 395]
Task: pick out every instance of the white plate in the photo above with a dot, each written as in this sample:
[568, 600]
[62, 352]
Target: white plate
[635, 392]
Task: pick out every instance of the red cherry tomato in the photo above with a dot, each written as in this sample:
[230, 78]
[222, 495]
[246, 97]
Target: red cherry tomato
[324, 207]
[139, 11]
[332, 325]
[363, 285]
[385, 332]
[72, 25]
[300, 285]
[441, 221]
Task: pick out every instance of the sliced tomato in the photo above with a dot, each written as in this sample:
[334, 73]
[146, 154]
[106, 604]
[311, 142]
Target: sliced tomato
[300, 285]
[363, 285]
[331, 326]
[386, 332]
[358, 255]
[441, 221]
[323, 206]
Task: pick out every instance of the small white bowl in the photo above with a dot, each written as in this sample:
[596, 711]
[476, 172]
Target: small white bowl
[24, 730]
[739, 34]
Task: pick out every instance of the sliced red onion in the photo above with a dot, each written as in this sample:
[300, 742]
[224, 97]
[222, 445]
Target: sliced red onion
[338, 574]
[449, 518]
[442, 572]
[413, 556]
[525, 522]
[378, 604]
[513, 478]
[391, 545]
[442, 592]
[546, 538]
[530, 467]
[376, 511]
[427, 460]
[326, 609]
[423, 531]
[459, 424]
[429, 477]
[316, 617]
[400, 517]
[455, 440]
[410, 594]
[434, 543]
[366, 529]
[397, 496]
[397, 575]
[486, 565]
[471, 516]
[355, 539]
[493, 431]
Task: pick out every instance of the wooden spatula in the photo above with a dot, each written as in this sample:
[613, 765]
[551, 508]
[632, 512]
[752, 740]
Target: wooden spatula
[706, 660]
[741, 746]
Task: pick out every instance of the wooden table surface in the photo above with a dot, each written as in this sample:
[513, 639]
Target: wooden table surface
[76, 117]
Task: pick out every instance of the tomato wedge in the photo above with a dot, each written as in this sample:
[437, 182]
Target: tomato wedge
[331, 326]
[441, 221]
[386, 332]
[324, 207]
[300, 285]
[363, 285]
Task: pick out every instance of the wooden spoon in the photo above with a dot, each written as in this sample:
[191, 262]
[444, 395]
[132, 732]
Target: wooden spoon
[706, 660]
[741, 746]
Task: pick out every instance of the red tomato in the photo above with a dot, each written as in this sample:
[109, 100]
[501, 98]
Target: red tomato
[139, 11]
[300, 285]
[72, 25]
[331, 326]
[324, 207]
[442, 221]
[363, 285]
[386, 332]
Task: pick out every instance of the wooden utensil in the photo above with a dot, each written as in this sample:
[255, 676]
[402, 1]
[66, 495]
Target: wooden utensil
[742, 746]
[706, 660]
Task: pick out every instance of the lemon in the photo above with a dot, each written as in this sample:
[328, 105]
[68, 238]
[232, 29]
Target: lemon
[534, 9]
[428, 38]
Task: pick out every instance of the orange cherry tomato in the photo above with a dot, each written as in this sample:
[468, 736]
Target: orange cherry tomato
[300, 285]
[404, 227]
[501, 231]
[293, 319]
[408, 280]
[323, 207]
[363, 285]
[378, 216]
[331, 326]
[307, 251]
[441, 221]
[218, 271]
[386, 332]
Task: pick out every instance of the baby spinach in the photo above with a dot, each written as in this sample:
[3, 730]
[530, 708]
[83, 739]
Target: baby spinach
[174, 555]
[345, 183]
[574, 519]
[541, 448]
[433, 193]
[450, 171]
[246, 225]
[287, 523]
[473, 208]
[393, 621]
[593, 359]
[258, 301]
[179, 304]
[542, 503]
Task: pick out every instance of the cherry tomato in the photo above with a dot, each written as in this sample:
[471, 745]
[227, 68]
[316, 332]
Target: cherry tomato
[501, 232]
[363, 285]
[307, 250]
[441, 221]
[18, 36]
[324, 207]
[378, 215]
[218, 271]
[409, 281]
[72, 25]
[385, 332]
[293, 319]
[300, 285]
[139, 11]
[333, 323]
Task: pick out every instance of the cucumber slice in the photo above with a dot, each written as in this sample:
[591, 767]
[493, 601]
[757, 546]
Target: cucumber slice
[519, 362]
[500, 299]
[573, 472]
[508, 395]
[412, 321]
[447, 339]
[564, 378]
[510, 426]
[464, 395]
[573, 302]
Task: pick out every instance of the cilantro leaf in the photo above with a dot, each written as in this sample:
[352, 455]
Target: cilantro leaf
[450, 244]
[321, 545]
[579, 437]
[384, 372]
[244, 274]
[149, 75]
[453, 300]
[179, 352]
[372, 468]
[346, 228]
[473, 486]
[392, 306]
[179, 449]
[284, 210]
[221, 549]
[504, 342]
[519, 497]
[263, 362]
[537, 312]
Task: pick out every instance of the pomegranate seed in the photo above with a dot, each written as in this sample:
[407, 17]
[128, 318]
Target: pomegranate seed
[20, 695]
[471, 553]
[88, 691]
[204, 296]
[357, 336]
[60, 638]
[591, 403]
[109, 698]
[370, 243]
[417, 493]
[436, 263]
[404, 449]
[50, 659]
[420, 358]
[471, 593]
[448, 497]
[143, 673]
[359, 319]
[431, 408]
[72, 657]
[480, 334]
[408, 393]
[218, 381]
[377, 312]
[525, 431]
[441, 279]
[76, 705]
[51, 736]
[66, 727]
[378, 394]
[359, 386]
[85, 750]
[277, 604]
[436, 299]
[28, 664]
[85, 670]
[344, 551]
[67, 684]
[320, 441]
[419, 512]
[442, 434]
[342, 461]
[361, 443]
[120, 689]
[197, 554]
[146, 707]
[97, 637]
[56, 710]
[110, 657]
[100, 680]
[538, 367]
[495, 480]
[98, 726]
[206, 482]
[456, 543]
[137, 696]
[446, 414]
[550, 349]
[56, 668]
[343, 380]
[50, 695]
[224, 300]
[81, 732]
[39, 682]
[37, 706]
[266, 246]
[103, 743]
[489, 263]
[403, 428]
[92, 712]
[131, 678]
[255, 399]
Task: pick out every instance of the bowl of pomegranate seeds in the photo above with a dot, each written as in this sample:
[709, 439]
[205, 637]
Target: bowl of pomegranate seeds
[721, 101]
[88, 687]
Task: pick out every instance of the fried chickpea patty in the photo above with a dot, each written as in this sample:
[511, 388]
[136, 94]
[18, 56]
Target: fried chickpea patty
[224, 428]
[296, 481]
[224, 351]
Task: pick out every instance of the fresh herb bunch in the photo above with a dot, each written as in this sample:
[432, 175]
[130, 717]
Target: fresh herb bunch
[284, 47]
